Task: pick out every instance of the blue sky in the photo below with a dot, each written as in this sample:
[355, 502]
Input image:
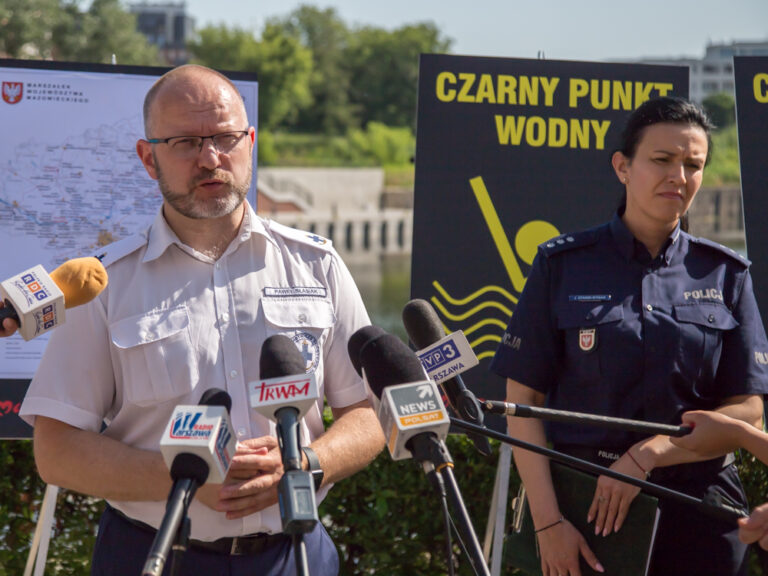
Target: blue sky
[562, 29]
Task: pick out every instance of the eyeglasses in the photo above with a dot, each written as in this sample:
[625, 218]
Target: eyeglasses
[189, 146]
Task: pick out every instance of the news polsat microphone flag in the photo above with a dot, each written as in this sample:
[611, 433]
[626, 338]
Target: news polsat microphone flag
[37, 300]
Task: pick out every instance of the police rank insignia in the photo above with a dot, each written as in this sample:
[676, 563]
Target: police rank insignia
[587, 339]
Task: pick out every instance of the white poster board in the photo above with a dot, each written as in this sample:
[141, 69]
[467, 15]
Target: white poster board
[70, 179]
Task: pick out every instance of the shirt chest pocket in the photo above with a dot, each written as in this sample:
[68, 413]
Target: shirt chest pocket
[701, 329]
[156, 355]
[586, 329]
[305, 321]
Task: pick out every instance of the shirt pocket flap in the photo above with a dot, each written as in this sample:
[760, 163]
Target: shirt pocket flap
[149, 327]
[707, 314]
[584, 315]
[287, 313]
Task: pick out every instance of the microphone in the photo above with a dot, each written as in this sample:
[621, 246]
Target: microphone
[410, 410]
[424, 328]
[36, 300]
[414, 420]
[284, 394]
[197, 446]
[625, 424]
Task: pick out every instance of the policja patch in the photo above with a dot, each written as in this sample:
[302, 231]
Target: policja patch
[587, 339]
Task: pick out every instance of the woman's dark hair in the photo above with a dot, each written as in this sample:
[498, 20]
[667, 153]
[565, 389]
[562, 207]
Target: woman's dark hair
[668, 109]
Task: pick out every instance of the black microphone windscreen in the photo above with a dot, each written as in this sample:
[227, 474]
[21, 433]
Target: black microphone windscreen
[280, 357]
[360, 339]
[192, 466]
[422, 323]
[388, 361]
[216, 397]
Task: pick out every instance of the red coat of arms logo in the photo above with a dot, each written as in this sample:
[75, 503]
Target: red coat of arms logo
[587, 339]
[12, 92]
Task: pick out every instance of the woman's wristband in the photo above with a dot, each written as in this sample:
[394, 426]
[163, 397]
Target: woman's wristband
[548, 526]
[643, 470]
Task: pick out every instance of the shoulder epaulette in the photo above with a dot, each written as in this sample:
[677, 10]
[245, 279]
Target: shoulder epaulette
[720, 249]
[302, 236]
[111, 253]
[566, 242]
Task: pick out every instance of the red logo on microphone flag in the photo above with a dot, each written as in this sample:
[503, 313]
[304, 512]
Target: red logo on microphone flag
[587, 339]
[12, 92]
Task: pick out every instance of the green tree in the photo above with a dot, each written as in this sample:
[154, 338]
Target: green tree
[721, 109]
[282, 65]
[59, 30]
[326, 36]
[384, 71]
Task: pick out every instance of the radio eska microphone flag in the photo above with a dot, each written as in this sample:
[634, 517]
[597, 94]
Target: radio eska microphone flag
[37, 300]
[204, 431]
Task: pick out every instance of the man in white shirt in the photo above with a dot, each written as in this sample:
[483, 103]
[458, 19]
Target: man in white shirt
[189, 303]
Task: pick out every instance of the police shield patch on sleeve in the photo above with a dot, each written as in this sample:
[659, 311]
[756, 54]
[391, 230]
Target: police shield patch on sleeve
[587, 339]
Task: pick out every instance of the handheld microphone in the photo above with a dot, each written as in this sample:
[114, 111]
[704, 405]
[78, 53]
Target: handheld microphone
[410, 409]
[284, 394]
[414, 421]
[424, 328]
[197, 445]
[36, 300]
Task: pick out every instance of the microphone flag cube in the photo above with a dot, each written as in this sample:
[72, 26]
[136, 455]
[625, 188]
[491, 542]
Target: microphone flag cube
[38, 302]
[448, 357]
[406, 410]
[297, 391]
[204, 431]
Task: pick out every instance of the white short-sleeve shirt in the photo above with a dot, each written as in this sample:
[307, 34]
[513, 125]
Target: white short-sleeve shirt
[173, 323]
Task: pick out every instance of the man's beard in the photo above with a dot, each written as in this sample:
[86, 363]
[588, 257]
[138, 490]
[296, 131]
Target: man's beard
[187, 205]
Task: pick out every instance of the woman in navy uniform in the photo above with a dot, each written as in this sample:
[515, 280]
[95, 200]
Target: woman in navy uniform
[638, 319]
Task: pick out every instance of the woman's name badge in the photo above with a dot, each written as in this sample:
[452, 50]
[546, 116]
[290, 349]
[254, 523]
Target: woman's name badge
[587, 339]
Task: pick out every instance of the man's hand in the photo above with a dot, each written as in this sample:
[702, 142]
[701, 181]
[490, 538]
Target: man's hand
[713, 435]
[755, 528]
[251, 483]
[8, 325]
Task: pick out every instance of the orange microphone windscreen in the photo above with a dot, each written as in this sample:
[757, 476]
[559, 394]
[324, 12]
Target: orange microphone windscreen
[80, 279]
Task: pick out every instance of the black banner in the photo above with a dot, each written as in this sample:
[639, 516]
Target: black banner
[509, 154]
[751, 80]
[11, 395]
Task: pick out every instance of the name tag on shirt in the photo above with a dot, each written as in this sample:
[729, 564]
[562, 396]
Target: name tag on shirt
[589, 297]
[294, 291]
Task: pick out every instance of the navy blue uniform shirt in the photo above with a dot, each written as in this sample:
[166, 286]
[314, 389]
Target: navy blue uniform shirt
[603, 328]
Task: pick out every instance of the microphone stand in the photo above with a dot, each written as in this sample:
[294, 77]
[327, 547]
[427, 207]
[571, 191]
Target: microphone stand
[718, 510]
[296, 489]
[433, 455]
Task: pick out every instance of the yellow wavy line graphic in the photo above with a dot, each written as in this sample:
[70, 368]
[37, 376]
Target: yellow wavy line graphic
[483, 355]
[474, 295]
[484, 339]
[497, 232]
[472, 311]
[483, 324]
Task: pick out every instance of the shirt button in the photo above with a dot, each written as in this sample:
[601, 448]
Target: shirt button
[218, 265]
[225, 317]
[233, 374]
[648, 307]
[302, 318]
[711, 318]
[241, 432]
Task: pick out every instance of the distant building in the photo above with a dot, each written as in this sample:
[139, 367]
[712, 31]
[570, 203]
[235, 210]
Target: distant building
[714, 72]
[166, 26]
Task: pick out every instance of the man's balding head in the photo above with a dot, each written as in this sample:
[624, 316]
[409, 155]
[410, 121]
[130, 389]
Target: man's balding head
[181, 78]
